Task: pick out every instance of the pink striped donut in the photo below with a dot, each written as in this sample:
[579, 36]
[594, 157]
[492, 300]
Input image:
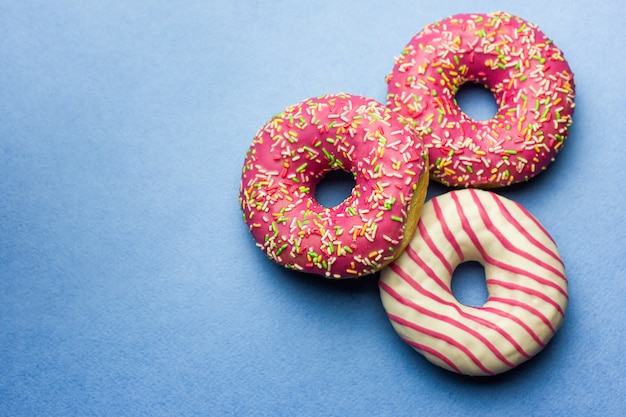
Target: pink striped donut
[525, 280]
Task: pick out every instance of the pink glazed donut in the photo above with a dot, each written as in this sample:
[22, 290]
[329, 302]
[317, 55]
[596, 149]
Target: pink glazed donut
[293, 152]
[528, 76]
[525, 280]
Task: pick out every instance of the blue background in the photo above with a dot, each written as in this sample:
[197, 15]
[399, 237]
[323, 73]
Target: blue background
[129, 284]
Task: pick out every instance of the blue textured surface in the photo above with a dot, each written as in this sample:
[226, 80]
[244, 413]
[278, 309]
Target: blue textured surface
[129, 284]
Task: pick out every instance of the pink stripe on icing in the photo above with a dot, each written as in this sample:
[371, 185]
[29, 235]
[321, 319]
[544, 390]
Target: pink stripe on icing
[440, 336]
[423, 231]
[468, 229]
[530, 309]
[484, 322]
[515, 320]
[527, 274]
[505, 242]
[535, 293]
[433, 352]
[536, 222]
[441, 317]
[412, 253]
[511, 219]
[446, 230]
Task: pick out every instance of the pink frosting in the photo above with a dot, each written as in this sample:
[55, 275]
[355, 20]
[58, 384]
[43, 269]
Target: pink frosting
[531, 82]
[295, 149]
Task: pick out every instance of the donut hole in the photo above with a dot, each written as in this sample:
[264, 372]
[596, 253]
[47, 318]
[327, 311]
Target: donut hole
[334, 187]
[469, 285]
[476, 101]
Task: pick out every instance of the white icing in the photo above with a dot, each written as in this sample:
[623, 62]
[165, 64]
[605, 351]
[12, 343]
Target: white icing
[525, 280]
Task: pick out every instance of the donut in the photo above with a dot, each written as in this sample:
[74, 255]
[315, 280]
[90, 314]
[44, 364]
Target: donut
[293, 152]
[532, 84]
[524, 274]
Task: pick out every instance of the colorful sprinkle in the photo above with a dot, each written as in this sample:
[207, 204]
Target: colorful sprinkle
[528, 76]
[294, 150]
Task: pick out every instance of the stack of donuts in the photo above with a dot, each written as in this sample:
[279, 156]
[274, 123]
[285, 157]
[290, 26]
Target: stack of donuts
[392, 150]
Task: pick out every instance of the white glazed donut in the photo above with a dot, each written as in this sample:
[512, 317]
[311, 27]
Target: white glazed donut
[525, 280]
